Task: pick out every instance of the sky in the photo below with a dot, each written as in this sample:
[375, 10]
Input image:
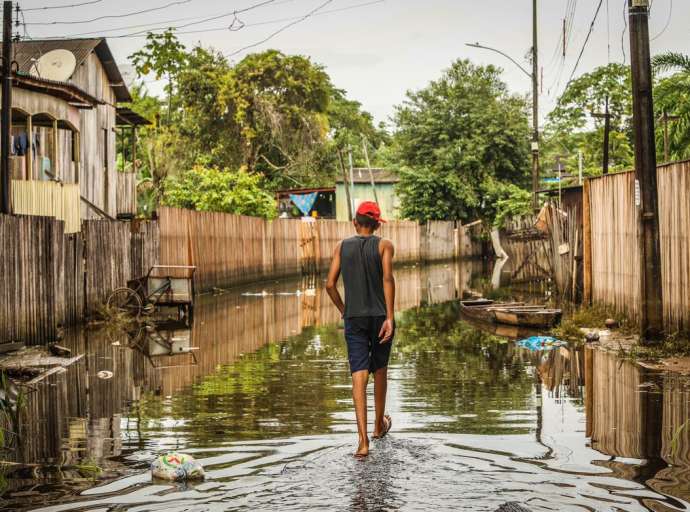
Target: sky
[377, 50]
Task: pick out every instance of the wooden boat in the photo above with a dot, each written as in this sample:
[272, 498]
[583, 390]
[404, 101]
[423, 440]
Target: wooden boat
[527, 316]
[482, 309]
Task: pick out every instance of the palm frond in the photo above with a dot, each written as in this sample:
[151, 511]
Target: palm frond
[671, 61]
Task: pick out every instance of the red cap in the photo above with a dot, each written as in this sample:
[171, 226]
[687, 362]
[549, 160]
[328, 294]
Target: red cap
[370, 209]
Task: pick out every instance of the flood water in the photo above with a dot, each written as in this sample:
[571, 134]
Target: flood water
[259, 391]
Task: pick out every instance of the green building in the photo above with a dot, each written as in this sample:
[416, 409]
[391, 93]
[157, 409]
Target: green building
[361, 190]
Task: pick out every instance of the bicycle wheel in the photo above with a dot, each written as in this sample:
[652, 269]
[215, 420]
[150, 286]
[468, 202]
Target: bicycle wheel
[125, 300]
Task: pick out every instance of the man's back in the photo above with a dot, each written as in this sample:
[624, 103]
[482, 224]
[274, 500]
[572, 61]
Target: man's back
[362, 271]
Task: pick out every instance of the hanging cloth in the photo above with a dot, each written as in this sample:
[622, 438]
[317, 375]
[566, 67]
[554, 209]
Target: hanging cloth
[305, 202]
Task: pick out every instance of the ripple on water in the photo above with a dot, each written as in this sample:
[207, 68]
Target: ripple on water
[403, 472]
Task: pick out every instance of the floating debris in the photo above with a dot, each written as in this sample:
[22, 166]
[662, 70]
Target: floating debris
[105, 374]
[177, 467]
[541, 343]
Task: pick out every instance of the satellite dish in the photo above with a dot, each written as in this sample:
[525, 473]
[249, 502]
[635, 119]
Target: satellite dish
[58, 65]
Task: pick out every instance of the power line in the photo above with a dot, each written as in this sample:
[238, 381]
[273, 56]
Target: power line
[281, 29]
[164, 25]
[625, 28]
[224, 28]
[112, 16]
[582, 51]
[68, 6]
[668, 22]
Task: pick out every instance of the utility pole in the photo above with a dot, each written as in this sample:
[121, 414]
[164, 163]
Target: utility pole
[371, 174]
[347, 187]
[580, 165]
[352, 177]
[5, 115]
[665, 118]
[606, 116]
[651, 307]
[534, 76]
[535, 107]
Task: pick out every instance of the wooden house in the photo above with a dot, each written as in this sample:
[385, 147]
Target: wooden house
[64, 133]
[361, 190]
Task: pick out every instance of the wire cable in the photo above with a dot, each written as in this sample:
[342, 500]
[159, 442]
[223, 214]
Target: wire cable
[68, 6]
[113, 16]
[584, 46]
[281, 29]
[668, 22]
[224, 28]
[164, 25]
[625, 28]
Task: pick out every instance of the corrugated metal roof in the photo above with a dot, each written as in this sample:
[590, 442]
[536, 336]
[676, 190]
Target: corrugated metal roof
[361, 175]
[127, 117]
[65, 90]
[26, 52]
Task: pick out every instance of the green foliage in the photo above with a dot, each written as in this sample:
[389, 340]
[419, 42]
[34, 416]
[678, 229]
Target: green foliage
[277, 115]
[162, 56]
[505, 201]
[672, 95]
[572, 128]
[455, 134]
[278, 104]
[671, 61]
[215, 190]
[588, 94]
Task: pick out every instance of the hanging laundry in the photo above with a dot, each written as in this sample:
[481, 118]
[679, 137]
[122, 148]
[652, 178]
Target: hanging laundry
[21, 144]
[36, 143]
[305, 202]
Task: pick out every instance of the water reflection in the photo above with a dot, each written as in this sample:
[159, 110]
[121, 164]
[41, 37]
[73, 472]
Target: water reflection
[258, 390]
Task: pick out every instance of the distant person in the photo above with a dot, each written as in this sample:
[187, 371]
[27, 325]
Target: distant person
[366, 262]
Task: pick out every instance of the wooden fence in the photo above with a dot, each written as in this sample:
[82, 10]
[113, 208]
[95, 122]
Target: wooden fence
[126, 194]
[48, 198]
[232, 249]
[528, 252]
[621, 420]
[615, 262]
[52, 279]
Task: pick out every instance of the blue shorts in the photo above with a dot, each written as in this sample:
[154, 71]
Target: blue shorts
[364, 348]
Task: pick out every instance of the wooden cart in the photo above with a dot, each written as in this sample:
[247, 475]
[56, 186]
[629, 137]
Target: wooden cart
[163, 285]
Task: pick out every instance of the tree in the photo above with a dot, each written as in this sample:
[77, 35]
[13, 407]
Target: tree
[571, 127]
[671, 61]
[279, 104]
[216, 190]
[453, 135]
[589, 93]
[672, 96]
[164, 56]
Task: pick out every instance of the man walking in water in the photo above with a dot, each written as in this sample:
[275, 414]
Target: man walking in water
[366, 262]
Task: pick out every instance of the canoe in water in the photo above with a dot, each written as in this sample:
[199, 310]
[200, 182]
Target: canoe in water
[483, 309]
[532, 316]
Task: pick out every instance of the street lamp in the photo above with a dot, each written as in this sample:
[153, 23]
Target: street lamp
[535, 112]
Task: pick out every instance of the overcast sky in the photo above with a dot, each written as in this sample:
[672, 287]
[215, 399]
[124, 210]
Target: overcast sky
[377, 51]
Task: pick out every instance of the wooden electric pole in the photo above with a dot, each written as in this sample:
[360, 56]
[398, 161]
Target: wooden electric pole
[345, 183]
[665, 119]
[535, 107]
[651, 309]
[6, 114]
[371, 174]
[606, 116]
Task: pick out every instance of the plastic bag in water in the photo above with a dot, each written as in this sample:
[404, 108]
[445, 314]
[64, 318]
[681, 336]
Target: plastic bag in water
[541, 343]
[177, 467]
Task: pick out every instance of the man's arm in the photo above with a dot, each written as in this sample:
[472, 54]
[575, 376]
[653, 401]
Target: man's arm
[332, 281]
[388, 251]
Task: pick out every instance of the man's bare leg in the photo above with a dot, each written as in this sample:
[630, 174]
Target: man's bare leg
[380, 389]
[359, 397]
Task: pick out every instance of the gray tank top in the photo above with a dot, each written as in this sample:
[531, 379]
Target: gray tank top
[362, 271]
